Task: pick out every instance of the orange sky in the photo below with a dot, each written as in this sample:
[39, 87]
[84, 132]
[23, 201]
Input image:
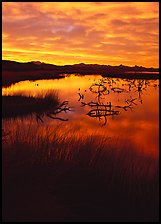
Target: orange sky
[74, 32]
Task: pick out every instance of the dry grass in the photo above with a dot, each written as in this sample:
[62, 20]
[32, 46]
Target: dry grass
[64, 177]
[19, 105]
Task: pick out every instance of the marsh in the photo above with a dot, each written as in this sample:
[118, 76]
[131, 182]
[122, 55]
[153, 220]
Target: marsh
[98, 162]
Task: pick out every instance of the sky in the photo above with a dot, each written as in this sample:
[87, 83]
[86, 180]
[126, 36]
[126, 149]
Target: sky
[109, 33]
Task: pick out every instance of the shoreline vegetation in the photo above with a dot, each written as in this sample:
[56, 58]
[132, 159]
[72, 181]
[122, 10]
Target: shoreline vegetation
[59, 177]
[15, 71]
[19, 105]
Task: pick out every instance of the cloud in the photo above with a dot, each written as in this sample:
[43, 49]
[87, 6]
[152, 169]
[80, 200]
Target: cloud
[89, 32]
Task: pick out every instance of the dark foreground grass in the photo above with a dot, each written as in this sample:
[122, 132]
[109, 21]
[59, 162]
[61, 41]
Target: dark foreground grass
[77, 179]
[18, 105]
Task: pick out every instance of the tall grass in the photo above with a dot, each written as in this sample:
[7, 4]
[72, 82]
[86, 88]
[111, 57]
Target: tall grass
[20, 105]
[77, 179]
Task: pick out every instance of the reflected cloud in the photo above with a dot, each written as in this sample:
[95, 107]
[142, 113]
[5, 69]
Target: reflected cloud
[138, 124]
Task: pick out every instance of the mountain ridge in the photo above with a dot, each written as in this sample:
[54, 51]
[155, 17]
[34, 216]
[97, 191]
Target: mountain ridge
[9, 65]
[16, 71]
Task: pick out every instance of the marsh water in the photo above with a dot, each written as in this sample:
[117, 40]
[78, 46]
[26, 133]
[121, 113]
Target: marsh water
[94, 156]
[125, 110]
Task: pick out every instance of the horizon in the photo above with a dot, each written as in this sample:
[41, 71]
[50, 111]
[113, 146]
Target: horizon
[104, 33]
[79, 64]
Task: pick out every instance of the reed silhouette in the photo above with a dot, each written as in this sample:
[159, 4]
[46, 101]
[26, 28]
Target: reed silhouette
[59, 175]
[21, 106]
[62, 178]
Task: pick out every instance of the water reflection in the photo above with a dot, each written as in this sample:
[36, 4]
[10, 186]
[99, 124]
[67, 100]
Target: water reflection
[122, 108]
[100, 145]
[106, 86]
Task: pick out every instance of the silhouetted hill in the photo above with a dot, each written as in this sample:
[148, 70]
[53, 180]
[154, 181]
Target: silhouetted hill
[77, 68]
[15, 71]
[28, 66]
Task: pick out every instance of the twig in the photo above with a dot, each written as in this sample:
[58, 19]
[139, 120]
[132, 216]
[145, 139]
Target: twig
[58, 118]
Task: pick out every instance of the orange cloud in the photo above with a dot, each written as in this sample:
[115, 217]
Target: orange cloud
[74, 32]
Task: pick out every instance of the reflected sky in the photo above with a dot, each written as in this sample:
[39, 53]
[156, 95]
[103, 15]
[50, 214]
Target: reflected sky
[137, 125]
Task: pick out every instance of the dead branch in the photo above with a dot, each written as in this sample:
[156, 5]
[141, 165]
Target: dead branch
[102, 112]
[96, 104]
[125, 107]
[58, 118]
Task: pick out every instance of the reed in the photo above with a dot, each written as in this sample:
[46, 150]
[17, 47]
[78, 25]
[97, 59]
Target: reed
[88, 178]
[19, 105]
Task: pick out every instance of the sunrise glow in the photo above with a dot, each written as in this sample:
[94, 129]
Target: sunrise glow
[81, 32]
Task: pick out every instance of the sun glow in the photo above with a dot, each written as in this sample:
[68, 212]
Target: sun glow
[75, 32]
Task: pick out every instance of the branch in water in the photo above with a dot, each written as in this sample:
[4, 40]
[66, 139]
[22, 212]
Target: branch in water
[58, 118]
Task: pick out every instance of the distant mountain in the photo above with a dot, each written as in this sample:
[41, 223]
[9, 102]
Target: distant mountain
[37, 62]
[26, 66]
[76, 68]
[15, 71]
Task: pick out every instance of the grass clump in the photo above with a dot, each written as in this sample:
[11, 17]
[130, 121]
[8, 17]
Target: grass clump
[19, 105]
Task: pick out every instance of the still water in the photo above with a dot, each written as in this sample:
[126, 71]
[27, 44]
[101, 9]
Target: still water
[122, 109]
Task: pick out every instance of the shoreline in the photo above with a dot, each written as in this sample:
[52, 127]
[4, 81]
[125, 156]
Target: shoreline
[9, 78]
